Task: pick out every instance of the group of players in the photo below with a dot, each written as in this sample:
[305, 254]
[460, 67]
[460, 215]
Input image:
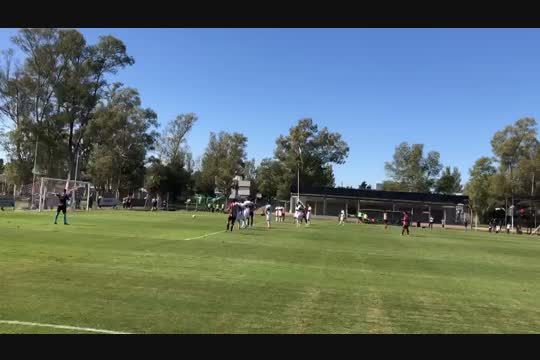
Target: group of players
[242, 213]
[302, 213]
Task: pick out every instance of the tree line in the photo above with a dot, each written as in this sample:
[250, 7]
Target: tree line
[60, 101]
[61, 116]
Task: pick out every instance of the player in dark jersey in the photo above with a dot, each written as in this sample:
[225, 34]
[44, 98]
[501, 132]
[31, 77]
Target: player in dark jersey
[231, 219]
[62, 206]
[405, 223]
[251, 214]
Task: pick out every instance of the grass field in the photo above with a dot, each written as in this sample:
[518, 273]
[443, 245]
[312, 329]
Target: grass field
[143, 272]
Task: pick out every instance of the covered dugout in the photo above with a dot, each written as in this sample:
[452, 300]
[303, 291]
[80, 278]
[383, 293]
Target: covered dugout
[328, 201]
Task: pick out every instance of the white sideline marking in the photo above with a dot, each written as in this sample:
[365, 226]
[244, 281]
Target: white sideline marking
[205, 235]
[25, 323]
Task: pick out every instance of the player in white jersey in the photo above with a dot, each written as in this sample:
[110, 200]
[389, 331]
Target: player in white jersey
[240, 215]
[298, 215]
[268, 213]
[308, 215]
[342, 217]
[247, 212]
[385, 220]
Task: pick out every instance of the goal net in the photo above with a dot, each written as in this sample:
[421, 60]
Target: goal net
[26, 196]
[49, 187]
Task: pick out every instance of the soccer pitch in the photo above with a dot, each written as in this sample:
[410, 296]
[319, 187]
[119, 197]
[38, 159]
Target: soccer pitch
[142, 272]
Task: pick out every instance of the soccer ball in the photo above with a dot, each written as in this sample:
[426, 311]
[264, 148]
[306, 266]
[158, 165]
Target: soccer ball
[193, 216]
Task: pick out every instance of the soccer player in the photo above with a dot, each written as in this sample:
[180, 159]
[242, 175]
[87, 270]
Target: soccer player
[431, 222]
[231, 216]
[342, 217]
[247, 213]
[385, 220]
[308, 215]
[405, 223]
[62, 206]
[268, 213]
[154, 205]
[298, 215]
[239, 214]
[251, 214]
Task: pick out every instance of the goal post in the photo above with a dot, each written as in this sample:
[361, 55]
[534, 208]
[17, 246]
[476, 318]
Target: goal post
[79, 190]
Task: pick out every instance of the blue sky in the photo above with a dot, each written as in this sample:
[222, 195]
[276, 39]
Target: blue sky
[449, 89]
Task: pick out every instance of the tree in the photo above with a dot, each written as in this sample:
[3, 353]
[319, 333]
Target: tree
[171, 178]
[449, 182]
[478, 186]
[313, 151]
[389, 185]
[223, 160]
[412, 170]
[364, 186]
[52, 97]
[16, 108]
[270, 174]
[1, 166]
[529, 173]
[172, 143]
[514, 145]
[119, 137]
[172, 173]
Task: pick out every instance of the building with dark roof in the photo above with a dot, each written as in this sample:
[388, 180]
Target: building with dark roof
[329, 201]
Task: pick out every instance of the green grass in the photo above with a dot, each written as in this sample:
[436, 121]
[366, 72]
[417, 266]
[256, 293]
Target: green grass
[133, 272]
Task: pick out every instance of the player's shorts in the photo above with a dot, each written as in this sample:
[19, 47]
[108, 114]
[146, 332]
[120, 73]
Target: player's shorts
[385, 221]
[61, 208]
[406, 226]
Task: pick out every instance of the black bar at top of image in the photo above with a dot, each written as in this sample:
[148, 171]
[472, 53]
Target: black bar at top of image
[265, 15]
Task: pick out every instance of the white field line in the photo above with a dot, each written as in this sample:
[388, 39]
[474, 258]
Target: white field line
[205, 235]
[25, 323]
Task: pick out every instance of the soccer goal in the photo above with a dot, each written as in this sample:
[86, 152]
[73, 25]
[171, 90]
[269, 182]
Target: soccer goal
[49, 187]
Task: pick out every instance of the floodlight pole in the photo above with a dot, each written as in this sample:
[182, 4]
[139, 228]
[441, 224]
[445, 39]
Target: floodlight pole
[512, 212]
[34, 170]
[76, 171]
[298, 181]
[298, 175]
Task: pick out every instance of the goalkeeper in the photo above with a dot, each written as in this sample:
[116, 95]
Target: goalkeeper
[62, 206]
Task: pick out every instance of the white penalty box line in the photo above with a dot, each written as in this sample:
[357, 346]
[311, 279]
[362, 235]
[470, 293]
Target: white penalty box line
[205, 235]
[65, 327]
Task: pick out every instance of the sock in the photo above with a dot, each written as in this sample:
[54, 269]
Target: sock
[56, 218]
[65, 218]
